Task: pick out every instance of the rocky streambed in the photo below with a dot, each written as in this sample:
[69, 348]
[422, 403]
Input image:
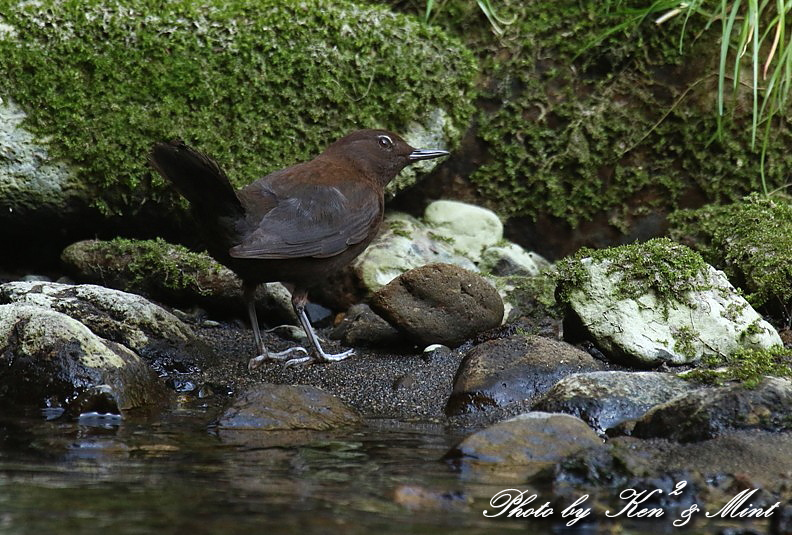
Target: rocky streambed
[640, 390]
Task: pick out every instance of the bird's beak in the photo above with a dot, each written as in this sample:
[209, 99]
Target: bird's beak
[426, 154]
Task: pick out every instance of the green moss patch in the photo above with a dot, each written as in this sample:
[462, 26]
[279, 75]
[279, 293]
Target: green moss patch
[145, 266]
[257, 84]
[751, 241]
[575, 131]
[748, 366]
[660, 266]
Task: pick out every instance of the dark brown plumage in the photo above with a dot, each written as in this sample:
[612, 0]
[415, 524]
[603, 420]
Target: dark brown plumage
[297, 225]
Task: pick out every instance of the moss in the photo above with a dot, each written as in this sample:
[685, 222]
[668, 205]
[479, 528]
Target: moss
[660, 266]
[575, 132]
[751, 241]
[173, 267]
[399, 228]
[256, 84]
[684, 338]
[748, 366]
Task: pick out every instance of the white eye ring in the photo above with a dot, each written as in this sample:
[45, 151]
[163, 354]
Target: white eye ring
[385, 142]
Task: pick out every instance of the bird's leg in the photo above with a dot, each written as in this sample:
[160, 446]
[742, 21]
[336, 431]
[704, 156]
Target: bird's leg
[299, 300]
[263, 354]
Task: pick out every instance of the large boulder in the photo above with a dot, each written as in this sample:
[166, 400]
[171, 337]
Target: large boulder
[657, 302]
[127, 319]
[101, 82]
[54, 361]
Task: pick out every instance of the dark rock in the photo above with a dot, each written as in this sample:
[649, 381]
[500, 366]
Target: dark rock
[708, 412]
[439, 303]
[49, 359]
[605, 399]
[524, 445]
[515, 369]
[271, 407]
[362, 327]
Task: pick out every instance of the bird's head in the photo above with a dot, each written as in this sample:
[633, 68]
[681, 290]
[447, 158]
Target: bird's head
[379, 153]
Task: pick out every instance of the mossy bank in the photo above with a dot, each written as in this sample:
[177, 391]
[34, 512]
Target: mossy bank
[577, 123]
[258, 85]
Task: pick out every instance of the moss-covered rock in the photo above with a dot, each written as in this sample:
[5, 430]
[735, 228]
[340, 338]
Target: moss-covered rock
[258, 85]
[747, 366]
[751, 241]
[656, 302]
[172, 274]
[577, 122]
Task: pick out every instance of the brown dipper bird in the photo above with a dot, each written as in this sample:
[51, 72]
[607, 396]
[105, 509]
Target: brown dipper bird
[297, 225]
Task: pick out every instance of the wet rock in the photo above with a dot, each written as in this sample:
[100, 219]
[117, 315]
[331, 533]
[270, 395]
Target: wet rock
[362, 327]
[708, 412]
[524, 445]
[605, 399]
[469, 229]
[50, 359]
[439, 303]
[624, 461]
[510, 370]
[658, 302]
[127, 319]
[271, 407]
[171, 274]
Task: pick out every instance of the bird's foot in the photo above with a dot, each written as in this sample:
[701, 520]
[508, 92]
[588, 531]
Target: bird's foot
[321, 356]
[255, 362]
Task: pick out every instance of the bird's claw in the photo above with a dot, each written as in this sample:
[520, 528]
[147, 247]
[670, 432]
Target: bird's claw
[255, 362]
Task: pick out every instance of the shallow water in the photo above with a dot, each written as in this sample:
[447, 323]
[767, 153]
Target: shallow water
[178, 475]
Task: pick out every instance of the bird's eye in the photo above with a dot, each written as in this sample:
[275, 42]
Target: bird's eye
[385, 142]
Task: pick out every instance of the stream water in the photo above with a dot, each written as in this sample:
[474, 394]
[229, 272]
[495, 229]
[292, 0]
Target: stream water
[178, 475]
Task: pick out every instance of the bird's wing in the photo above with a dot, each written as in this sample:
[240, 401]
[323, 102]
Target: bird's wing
[309, 219]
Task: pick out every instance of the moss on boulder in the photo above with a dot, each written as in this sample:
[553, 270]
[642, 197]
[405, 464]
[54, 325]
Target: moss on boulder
[575, 125]
[751, 241]
[257, 84]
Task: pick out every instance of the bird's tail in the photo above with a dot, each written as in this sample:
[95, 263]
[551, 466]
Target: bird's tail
[201, 181]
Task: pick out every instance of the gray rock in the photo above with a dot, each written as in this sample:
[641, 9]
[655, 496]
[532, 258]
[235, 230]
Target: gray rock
[712, 319]
[469, 229]
[520, 447]
[708, 412]
[49, 359]
[605, 399]
[510, 370]
[362, 327]
[145, 328]
[435, 132]
[171, 274]
[31, 182]
[439, 303]
[511, 259]
[271, 407]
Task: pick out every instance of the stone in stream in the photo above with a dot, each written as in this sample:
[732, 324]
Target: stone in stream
[513, 370]
[52, 360]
